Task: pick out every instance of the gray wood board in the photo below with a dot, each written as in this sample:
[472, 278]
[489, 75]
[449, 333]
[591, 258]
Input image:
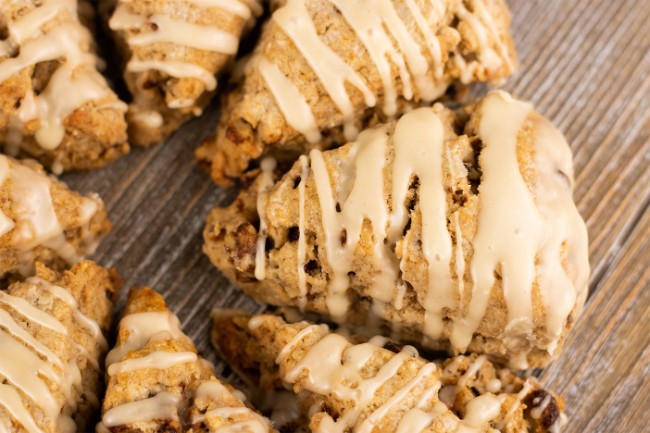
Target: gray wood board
[586, 66]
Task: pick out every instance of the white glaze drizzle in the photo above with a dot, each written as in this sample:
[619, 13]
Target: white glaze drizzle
[12, 402]
[291, 103]
[370, 20]
[416, 419]
[478, 413]
[514, 246]
[509, 238]
[364, 202]
[333, 366]
[332, 71]
[175, 69]
[537, 411]
[560, 290]
[266, 183]
[142, 328]
[84, 321]
[66, 40]
[36, 222]
[24, 369]
[472, 370]
[177, 30]
[241, 8]
[389, 44]
[419, 147]
[156, 360]
[217, 393]
[163, 405]
[526, 388]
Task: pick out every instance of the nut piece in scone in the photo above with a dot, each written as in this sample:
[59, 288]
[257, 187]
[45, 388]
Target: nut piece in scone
[42, 220]
[172, 52]
[377, 386]
[456, 230]
[324, 69]
[52, 329]
[54, 104]
[157, 382]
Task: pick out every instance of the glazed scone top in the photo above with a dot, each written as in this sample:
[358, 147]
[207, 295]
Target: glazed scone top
[157, 378]
[29, 220]
[392, 219]
[389, 43]
[136, 330]
[163, 29]
[172, 28]
[43, 334]
[521, 228]
[45, 33]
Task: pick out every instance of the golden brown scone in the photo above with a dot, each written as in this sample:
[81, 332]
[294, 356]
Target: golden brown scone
[323, 69]
[42, 220]
[456, 230]
[377, 386]
[54, 104]
[52, 329]
[157, 382]
[172, 51]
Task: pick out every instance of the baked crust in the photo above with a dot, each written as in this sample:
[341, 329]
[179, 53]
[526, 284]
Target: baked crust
[303, 357]
[254, 124]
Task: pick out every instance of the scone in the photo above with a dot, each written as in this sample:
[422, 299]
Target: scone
[52, 329]
[157, 382]
[345, 387]
[172, 51]
[42, 220]
[456, 230]
[54, 104]
[324, 68]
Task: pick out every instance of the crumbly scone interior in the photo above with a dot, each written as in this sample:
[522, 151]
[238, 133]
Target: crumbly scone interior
[52, 329]
[157, 381]
[324, 69]
[378, 386]
[172, 51]
[500, 267]
[42, 220]
[55, 105]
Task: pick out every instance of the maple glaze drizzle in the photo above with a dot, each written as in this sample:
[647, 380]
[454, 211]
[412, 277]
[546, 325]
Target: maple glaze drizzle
[509, 238]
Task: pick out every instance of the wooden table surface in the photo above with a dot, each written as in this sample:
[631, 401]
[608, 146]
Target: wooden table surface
[586, 66]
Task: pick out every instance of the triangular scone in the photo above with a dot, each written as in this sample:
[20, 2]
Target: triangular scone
[367, 387]
[173, 50]
[42, 220]
[54, 104]
[457, 230]
[325, 68]
[52, 329]
[157, 382]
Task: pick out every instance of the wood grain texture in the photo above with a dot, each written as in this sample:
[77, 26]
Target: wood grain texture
[586, 66]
